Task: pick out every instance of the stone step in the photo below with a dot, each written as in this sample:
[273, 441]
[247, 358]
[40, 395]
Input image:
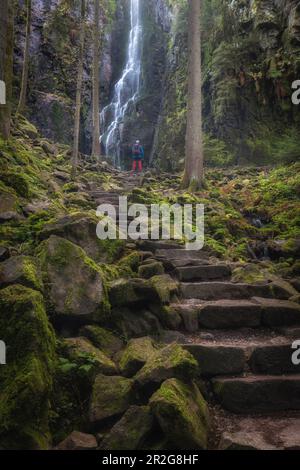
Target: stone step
[182, 263]
[111, 202]
[154, 246]
[258, 393]
[228, 355]
[203, 273]
[103, 194]
[231, 314]
[229, 290]
[180, 254]
[259, 432]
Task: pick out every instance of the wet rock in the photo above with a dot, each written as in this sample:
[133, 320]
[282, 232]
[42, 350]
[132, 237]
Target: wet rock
[36, 206]
[81, 230]
[218, 360]
[4, 253]
[126, 292]
[7, 216]
[136, 354]
[111, 397]
[20, 270]
[168, 337]
[27, 377]
[61, 175]
[149, 270]
[189, 316]
[279, 312]
[74, 283]
[243, 440]
[229, 314]
[259, 393]
[135, 323]
[131, 431]
[273, 359]
[228, 290]
[171, 361]
[103, 364]
[78, 441]
[103, 339]
[8, 202]
[172, 405]
[165, 287]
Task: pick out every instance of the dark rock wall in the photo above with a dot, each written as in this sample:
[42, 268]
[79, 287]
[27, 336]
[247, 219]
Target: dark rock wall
[53, 65]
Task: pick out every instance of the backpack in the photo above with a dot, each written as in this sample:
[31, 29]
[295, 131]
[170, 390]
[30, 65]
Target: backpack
[136, 150]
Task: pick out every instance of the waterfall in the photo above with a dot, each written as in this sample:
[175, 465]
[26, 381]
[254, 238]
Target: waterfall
[126, 90]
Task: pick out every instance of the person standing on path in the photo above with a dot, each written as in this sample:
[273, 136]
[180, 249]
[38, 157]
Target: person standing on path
[138, 155]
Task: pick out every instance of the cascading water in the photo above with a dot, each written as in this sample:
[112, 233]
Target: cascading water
[126, 90]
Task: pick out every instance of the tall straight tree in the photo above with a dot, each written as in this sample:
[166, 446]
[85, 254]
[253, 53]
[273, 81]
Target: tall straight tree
[6, 64]
[193, 175]
[96, 148]
[24, 83]
[78, 90]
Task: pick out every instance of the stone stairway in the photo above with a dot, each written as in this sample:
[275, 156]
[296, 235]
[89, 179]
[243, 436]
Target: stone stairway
[241, 335]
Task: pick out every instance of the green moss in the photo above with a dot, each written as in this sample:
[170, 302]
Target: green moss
[17, 182]
[136, 354]
[165, 287]
[103, 339]
[78, 347]
[172, 405]
[149, 270]
[72, 386]
[58, 255]
[26, 381]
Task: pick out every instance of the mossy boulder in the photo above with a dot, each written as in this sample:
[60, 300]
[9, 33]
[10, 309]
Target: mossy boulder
[131, 431]
[27, 128]
[26, 380]
[165, 287]
[78, 441]
[135, 323]
[78, 200]
[170, 361]
[135, 355]
[167, 315]
[8, 200]
[80, 346]
[111, 397]
[158, 289]
[126, 292]
[80, 229]
[20, 270]
[103, 339]
[182, 414]
[149, 270]
[17, 182]
[74, 283]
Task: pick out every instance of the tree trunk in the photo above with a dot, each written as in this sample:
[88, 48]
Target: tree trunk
[96, 148]
[193, 175]
[78, 91]
[6, 64]
[23, 93]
